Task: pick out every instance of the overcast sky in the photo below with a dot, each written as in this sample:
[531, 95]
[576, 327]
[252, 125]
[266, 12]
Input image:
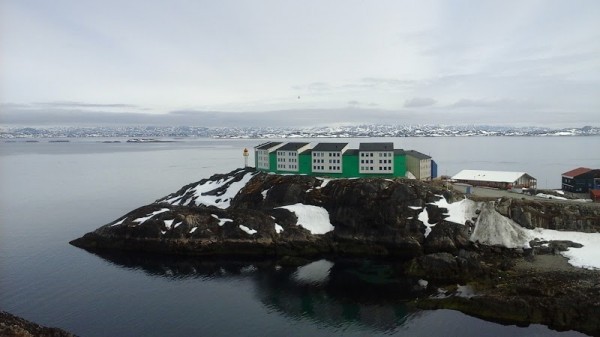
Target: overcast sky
[300, 63]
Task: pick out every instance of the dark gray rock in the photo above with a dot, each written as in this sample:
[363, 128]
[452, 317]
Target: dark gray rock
[437, 266]
[447, 237]
[573, 216]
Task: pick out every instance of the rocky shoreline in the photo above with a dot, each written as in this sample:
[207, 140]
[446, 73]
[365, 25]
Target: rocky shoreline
[441, 237]
[13, 326]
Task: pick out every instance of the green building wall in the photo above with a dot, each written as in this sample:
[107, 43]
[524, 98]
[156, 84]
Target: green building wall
[304, 163]
[350, 165]
[400, 165]
[273, 161]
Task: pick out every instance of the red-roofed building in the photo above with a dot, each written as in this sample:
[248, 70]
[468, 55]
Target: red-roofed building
[574, 173]
[581, 180]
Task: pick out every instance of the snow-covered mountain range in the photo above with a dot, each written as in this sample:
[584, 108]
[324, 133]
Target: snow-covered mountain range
[350, 131]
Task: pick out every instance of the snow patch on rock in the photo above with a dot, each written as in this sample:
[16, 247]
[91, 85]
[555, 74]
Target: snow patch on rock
[119, 222]
[247, 229]
[168, 223]
[222, 221]
[458, 212]
[149, 216]
[203, 193]
[313, 218]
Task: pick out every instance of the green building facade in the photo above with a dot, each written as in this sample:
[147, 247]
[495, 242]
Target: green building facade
[299, 158]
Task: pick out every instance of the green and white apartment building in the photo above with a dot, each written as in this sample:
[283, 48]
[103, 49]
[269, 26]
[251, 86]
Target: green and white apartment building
[337, 160]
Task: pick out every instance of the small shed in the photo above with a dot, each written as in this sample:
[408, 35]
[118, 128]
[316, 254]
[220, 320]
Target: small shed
[497, 179]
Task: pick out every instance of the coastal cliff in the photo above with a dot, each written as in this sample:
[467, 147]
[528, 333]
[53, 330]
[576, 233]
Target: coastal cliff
[246, 212]
[493, 246]
[250, 213]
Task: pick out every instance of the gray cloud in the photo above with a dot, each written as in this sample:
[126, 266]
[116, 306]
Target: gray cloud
[382, 83]
[504, 103]
[314, 87]
[418, 102]
[68, 104]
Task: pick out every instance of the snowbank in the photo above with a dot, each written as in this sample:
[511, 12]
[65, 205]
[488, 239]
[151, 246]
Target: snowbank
[494, 229]
[587, 256]
[549, 196]
[313, 218]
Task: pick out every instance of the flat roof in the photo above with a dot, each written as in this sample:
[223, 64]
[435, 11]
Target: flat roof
[330, 146]
[399, 151]
[267, 145]
[574, 173]
[417, 154]
[376, 146]
[351, 152]
[292, 146]
[490, 176]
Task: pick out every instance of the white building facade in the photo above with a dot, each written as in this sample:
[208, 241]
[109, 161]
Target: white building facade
[376, 158]
[328, 157]
[262, 154]
[287, 156]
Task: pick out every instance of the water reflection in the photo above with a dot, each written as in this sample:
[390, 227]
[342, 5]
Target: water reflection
[336, 293]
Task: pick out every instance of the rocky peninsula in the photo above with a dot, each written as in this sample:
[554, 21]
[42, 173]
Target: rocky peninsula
[508, 255]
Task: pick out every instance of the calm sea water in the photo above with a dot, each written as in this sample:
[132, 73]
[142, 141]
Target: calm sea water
[52, 193]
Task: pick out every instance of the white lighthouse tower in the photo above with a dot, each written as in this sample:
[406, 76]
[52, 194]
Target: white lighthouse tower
[246, 155]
